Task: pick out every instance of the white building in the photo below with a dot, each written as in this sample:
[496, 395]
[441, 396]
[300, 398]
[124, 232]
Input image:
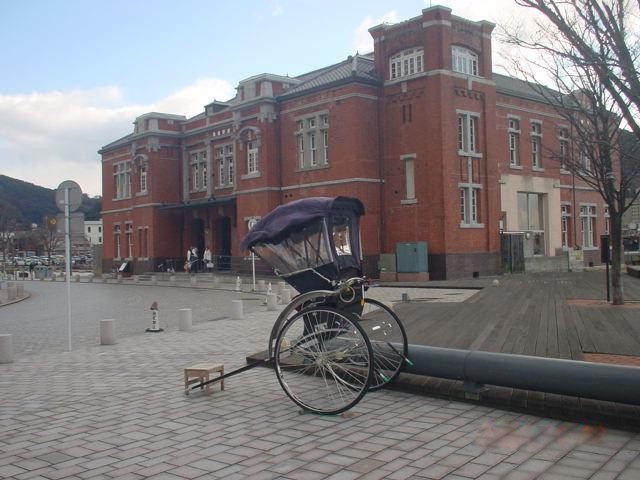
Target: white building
[93, 231]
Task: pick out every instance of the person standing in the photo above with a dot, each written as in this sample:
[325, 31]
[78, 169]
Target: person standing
[206, 258]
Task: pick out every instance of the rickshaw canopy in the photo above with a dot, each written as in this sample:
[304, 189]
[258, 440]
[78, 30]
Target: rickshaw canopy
[312, 242]
[291, 217]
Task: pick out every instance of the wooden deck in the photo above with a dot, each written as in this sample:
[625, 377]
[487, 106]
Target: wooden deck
[560, 315]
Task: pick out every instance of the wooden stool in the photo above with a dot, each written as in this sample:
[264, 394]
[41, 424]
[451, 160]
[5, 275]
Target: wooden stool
[200, 374]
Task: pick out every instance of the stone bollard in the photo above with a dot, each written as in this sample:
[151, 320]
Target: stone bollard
[286, 296]
[262, 286]
[172, 279]
[90, 278]
[136, 279]
[237, 312]
[154, 279]
[6, 349]
[76, 277]
[186, 320]
[12, 292]
[281, 286]
[272, 301]
[20, 291]
[107, 331]
[119, 278]
[216, 280]
[193, 280]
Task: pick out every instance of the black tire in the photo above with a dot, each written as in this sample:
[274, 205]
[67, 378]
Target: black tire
[323, 360]
[388, 340]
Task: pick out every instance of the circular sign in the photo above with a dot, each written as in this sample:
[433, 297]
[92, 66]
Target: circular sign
[75, 195]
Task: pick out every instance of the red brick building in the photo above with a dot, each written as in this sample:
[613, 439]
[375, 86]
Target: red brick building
[438, 148]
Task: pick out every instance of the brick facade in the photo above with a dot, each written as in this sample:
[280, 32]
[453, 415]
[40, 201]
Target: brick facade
[421, 141]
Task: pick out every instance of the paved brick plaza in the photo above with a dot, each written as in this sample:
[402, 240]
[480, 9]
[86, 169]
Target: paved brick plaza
[120, 412]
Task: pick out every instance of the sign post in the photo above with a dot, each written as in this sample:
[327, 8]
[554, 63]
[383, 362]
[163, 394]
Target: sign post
[68, 199]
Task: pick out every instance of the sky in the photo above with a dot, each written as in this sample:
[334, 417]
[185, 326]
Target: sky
[74, 74]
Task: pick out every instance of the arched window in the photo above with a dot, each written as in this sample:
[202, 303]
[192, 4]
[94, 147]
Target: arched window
[464, 61]
[408, 62]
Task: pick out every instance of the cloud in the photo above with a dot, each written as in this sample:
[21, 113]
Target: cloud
[363, 43]
[48, 137]
[276, 10]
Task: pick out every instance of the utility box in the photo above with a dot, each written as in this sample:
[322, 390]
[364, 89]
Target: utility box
[411, 261]
[387, 264]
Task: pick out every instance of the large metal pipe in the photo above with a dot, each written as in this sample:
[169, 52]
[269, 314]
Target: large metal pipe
[615, 383]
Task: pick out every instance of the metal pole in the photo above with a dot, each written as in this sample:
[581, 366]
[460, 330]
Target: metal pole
[67, 249]
[253, 268]
[607, 269]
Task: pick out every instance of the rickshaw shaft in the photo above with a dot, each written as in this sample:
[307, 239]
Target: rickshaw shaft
[259, 363]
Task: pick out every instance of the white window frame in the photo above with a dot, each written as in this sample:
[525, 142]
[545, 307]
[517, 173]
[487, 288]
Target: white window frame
[536, 145]
[406, 63]
[563, 140]
[464, 60]
[467, 133]
[252, 157]
[143, 177]
[565, 224]
[312, 130]
[588, 216]
[224, 159]
[198, 170]
[122, 179]
[409, 179]
[117, 233]
[514, 142]
[607, 220]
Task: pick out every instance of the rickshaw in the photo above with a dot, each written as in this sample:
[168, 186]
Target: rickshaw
[331, 344]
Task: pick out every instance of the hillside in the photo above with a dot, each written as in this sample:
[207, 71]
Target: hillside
[31, 203]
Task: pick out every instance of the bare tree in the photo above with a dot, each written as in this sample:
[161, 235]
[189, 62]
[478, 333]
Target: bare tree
[10, 221]
[49, 236]
[588, 52]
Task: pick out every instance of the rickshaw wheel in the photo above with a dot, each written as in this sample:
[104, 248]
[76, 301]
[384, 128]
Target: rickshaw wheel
[304, 300]
[323, 360]
[388, 341]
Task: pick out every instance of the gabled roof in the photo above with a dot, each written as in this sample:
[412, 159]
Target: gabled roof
[360, 67]
[522, 89]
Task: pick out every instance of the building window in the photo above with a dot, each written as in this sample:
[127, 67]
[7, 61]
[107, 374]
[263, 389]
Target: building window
[536, 142]
[607, 220]
[585, 160]
[312, 131]
[409, 178]
[116, 242]
[588, 220]
[563, 139]
[464, 61]
[89, 229]
[224, 158]
[514, 142]
[143, 178]
[405, 63]
[467, 133]
[122, 180]
[143, 242]
[469, 206]
[566, 225]
[301, 151]
[325, 147]
[252, 157]
[199, 170]
[313, 159]
[128, 230]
